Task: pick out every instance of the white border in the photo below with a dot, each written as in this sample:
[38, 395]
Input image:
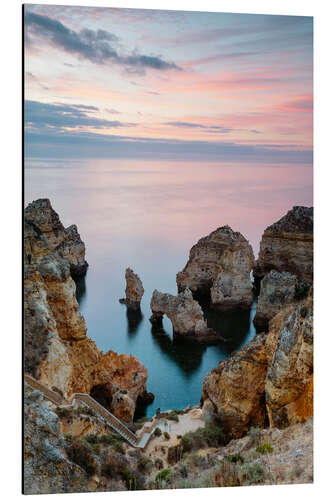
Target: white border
[11, 242]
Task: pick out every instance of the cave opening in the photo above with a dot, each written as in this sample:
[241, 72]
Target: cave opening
[102, 394]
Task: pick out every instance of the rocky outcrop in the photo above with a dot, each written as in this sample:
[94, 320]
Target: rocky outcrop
[65, 241]
[271, 378]
[57, 349]
[235, 390]
[287, 245]
[219, 265]
[184, 313]
[276, 291]
[134, 290]
[47, 469]
[289, 380]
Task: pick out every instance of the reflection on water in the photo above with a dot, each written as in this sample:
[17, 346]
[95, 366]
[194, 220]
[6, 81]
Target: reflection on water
[141, 214]
[187, 354]
[134, 318]
[234, 326]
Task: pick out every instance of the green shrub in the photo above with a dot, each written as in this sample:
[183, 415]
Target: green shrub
[158, 463]
[63, 412]
[80, 454]
[172, 416]
[208, 436]
[68, 437]
[166, 435]
[144, 463]
[157, 432]
[236, 458]
[264, 448]
[163, 475]
[132, 479]
[92, 438]
[254, 474]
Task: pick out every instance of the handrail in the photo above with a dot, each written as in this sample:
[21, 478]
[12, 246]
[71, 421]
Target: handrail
[53, 396]
[137, 441]
[92, 402]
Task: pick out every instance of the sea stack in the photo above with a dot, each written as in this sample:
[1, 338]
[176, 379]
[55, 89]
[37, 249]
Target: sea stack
[65, 241]
[134, 290]
[184, 312]
[219, 266]
[287, 245]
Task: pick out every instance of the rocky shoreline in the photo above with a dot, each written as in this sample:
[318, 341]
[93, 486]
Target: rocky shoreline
[267, 385]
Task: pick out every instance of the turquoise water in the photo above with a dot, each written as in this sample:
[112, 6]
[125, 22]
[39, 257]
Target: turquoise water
[147, 215]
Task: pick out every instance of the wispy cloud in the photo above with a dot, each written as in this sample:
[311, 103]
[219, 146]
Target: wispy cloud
[209, 128]
[96, 46]
[60, 116]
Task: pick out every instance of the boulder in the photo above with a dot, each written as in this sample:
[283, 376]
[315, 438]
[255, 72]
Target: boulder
[287, 245]
[219, 266]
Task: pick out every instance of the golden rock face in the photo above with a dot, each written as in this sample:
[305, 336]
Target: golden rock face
[287, 245]
[57, 349]
[219, 266]
[271, 377]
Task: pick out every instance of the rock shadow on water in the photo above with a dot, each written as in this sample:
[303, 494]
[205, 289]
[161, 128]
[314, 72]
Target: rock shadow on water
[235, 326]
[185, 353]
[134, 319]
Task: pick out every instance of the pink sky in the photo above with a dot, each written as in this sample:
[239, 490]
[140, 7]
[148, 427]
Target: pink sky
[208, 78]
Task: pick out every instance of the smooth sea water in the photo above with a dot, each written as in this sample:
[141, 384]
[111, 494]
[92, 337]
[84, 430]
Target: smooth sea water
[146, 215]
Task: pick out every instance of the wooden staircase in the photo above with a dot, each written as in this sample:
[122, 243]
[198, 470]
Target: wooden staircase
[102, 413]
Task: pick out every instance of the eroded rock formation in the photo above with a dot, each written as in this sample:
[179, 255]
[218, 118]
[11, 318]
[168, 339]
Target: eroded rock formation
[234, 391]
[65, 241]
[184, 312]
[270, 378]
[287, 245]
[289, 380]
[57, 349]
[276, 291]
[220, 265]
[134, 290]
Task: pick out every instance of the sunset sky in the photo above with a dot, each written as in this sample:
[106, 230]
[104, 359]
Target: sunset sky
[118, 83]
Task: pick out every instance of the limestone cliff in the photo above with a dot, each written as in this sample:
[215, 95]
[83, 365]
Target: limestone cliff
[65, 241]
[270, 378]
[57, 349]
[287, 245]
[289, 380]
[277, 290]
[184, 312]
[234, 391]
[219, 265]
